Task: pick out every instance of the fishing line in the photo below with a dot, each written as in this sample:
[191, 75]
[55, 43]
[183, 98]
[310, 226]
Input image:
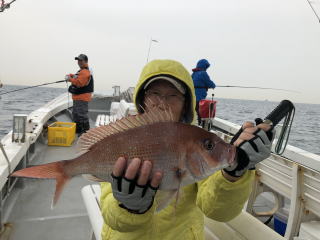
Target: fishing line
[44, 84]
[68, 109]
[68, 95]
[262, 88]
[314, 11]
[20, 89]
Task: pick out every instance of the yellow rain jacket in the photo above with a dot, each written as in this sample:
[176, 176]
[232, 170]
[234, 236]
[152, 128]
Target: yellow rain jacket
[215, 196]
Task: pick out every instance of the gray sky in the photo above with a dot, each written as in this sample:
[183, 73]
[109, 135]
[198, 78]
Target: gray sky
[266, 43]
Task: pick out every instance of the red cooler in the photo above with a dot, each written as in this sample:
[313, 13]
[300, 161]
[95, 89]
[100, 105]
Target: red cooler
[207, 108]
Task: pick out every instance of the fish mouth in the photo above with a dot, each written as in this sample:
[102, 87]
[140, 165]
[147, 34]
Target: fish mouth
[206, 171]
[232, 159]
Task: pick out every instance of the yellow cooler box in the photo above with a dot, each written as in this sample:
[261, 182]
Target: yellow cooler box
[61, 133]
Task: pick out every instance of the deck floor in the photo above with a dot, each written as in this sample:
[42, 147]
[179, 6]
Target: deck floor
[32, 216]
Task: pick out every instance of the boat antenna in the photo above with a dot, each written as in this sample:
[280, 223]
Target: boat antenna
[5, 6]
[263, 88]
[20, 89]
[151, 40]
[314, 11]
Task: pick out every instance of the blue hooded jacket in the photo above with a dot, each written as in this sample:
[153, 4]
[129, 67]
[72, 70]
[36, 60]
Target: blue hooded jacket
[201, 79]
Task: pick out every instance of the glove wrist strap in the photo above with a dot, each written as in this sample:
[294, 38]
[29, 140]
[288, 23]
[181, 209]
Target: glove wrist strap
[135, 211]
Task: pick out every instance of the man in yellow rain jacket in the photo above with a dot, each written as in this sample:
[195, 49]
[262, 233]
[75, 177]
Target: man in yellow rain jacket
[221, 196]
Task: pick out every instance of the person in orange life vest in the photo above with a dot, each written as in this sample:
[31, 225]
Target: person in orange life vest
[81, 88]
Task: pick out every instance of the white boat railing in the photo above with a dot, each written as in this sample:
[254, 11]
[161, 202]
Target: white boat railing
[16, 151]
[295, 175]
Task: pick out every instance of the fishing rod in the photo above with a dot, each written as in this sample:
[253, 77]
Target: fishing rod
[263, 88]
[32, 87]
[314, 11]
[4, 5]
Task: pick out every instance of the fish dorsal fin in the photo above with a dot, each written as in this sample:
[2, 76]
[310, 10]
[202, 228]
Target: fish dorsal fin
[153, 115]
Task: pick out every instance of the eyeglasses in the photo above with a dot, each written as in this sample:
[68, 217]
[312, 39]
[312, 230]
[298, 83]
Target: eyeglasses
[170, 98]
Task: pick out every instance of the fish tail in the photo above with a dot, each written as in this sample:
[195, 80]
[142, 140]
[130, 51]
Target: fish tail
[53, 170]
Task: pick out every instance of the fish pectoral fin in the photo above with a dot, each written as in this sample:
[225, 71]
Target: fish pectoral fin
[92, 178]
[163, 198]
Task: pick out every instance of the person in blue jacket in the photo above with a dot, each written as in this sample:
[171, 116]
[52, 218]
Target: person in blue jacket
[201, 82]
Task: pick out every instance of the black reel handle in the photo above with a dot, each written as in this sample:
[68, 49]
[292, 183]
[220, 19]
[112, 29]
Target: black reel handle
[284, 107]
[273, 118]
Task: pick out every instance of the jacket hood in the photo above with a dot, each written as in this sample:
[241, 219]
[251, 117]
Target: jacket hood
[172, 69]
[203, 64]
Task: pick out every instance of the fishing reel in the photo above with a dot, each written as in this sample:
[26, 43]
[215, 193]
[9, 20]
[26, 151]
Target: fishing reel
[285, 110]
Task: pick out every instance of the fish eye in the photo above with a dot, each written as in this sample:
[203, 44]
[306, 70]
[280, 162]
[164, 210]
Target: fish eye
[208, 144]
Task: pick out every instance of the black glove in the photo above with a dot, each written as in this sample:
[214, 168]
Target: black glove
[251, 152]
[136, 199]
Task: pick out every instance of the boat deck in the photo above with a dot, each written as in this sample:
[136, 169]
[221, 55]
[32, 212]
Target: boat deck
[29, 206]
